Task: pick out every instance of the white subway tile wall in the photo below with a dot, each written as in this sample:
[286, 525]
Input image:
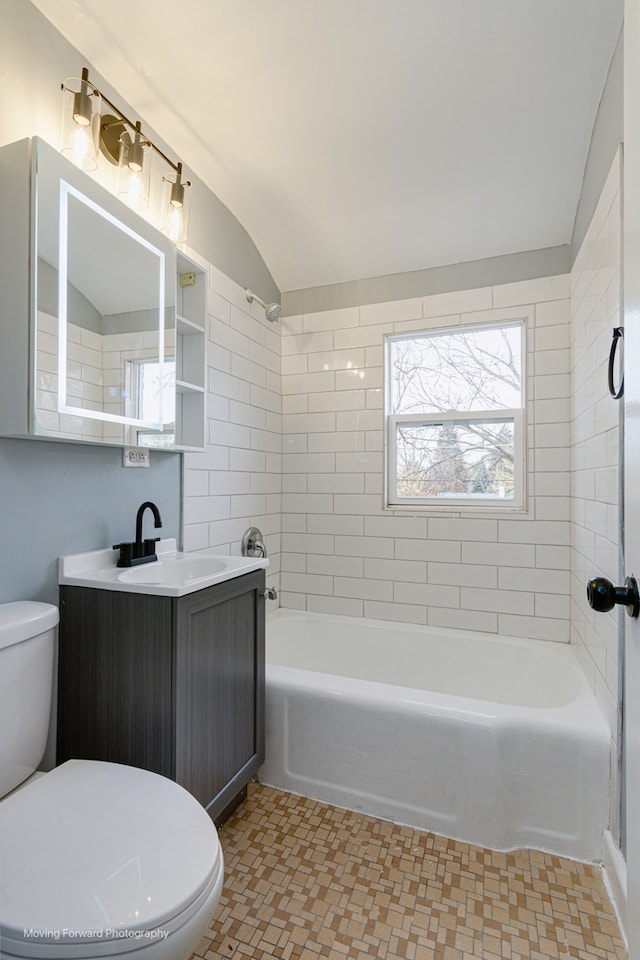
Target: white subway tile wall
[450, 570]
[95, 366]
[595, 542]
[236, 482]
[84, 379]
[295, 441]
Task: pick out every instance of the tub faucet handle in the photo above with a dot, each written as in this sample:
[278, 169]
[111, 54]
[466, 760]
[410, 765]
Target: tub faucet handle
[253, 543]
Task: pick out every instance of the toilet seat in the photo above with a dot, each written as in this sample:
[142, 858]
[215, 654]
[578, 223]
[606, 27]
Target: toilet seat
[140, 858]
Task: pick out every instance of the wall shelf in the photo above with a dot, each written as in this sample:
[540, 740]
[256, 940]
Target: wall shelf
[191, 343]
[182, 386]
[186, 327]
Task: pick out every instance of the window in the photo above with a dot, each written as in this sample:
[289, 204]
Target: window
[153, 390]
[455, 417]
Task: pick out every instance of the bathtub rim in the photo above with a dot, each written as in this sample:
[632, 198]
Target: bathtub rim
[582, 714]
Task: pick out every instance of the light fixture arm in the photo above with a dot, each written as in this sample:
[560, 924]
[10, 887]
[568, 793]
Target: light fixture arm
[121, 118]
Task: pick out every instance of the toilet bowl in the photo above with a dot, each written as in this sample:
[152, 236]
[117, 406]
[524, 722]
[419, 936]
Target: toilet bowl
[98, 859]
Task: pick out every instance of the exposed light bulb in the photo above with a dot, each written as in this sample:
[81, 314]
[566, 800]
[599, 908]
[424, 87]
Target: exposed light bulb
[82, 102]
[136, 151]
[133, 182]
[177, 214]
[80, 121]
[134, 190]
[177, 194]
[174, 223]
[81, 146]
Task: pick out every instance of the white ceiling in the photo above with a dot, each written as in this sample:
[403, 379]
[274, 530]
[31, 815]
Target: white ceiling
[356, 138]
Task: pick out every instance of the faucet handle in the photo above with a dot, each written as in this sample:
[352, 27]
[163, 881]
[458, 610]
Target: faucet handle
[126, 553]
[150, 546]
[253, 543]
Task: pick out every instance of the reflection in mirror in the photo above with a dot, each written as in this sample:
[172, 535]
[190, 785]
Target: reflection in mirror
[121, 277]
[105, 318]
[154, 387]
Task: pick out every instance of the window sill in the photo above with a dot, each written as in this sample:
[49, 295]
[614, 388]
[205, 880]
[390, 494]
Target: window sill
[450, 512]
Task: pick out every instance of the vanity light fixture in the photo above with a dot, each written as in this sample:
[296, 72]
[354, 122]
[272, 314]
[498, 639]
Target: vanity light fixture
[134, 174]
[81, 121]
[85, 129]
[175, 207]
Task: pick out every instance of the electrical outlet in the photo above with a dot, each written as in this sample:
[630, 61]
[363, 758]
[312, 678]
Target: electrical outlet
[135, 457]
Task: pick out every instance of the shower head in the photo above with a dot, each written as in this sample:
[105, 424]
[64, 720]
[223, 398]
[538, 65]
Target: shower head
[271, 310]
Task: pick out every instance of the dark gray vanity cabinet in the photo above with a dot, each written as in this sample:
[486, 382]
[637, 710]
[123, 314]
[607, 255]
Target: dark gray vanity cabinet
[174, 685]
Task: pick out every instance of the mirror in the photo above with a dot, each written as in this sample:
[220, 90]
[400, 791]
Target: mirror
[105, 314]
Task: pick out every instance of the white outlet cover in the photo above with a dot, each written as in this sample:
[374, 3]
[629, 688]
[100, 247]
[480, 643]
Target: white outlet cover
[135, 457]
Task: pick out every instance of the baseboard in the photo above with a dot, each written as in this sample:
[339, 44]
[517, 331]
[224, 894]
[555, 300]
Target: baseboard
[615, 878]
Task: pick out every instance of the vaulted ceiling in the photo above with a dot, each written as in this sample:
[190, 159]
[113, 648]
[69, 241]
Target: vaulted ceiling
[355, 138]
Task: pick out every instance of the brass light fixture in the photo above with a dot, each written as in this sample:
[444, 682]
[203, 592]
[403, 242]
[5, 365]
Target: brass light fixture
[81, 121]
[86, 130]
[176, 212]
[134, 174]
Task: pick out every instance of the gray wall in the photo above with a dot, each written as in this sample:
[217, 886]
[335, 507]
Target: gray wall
[84, 313]
[421, 283]
[59, 498]
[607, 134]
[62, 498]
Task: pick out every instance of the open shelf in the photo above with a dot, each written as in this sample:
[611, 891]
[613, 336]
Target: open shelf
[185, 327]
[183, 386]
[190, 356]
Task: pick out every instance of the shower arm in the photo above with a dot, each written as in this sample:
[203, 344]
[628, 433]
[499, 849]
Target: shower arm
[271, 310]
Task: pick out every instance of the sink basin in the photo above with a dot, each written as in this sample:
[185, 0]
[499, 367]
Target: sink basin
[178, 571]
[173, 574]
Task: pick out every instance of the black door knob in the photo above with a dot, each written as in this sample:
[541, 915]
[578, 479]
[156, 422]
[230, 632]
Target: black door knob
[603, 596]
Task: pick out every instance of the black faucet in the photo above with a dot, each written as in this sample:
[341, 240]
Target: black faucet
[140, 551]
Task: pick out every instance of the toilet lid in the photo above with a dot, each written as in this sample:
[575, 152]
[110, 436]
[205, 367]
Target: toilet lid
[23, 619]
[96, 852]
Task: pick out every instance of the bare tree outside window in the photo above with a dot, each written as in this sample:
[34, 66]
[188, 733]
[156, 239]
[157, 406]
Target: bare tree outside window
[156, 387]
[454, 399]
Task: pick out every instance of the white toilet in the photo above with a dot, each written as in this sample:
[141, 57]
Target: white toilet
[96, 859]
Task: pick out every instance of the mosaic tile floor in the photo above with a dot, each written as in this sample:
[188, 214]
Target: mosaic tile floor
[305, 881]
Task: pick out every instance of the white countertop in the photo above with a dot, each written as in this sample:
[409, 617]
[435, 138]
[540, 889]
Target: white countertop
[173, 574]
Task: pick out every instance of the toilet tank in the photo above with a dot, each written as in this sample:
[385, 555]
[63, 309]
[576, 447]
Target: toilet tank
[27, 631]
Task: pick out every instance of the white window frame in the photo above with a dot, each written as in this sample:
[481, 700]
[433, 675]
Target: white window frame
[136, 434]
[517, 415]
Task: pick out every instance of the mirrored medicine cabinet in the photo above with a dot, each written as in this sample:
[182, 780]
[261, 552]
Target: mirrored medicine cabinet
[113, 330]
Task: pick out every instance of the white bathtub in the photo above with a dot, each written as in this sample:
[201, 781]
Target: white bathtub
[493, 740]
